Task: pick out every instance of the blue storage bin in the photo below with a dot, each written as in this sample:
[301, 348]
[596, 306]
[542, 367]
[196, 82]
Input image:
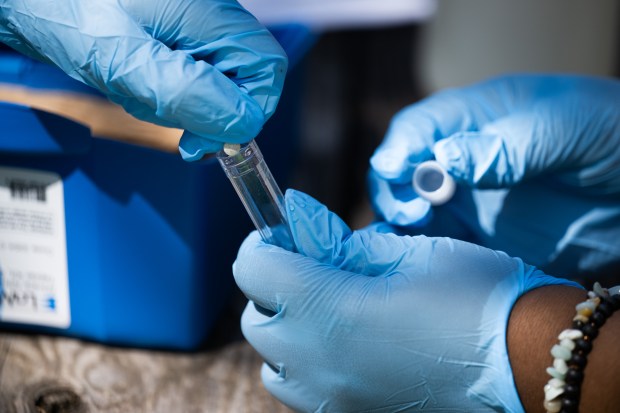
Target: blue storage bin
[149, 239]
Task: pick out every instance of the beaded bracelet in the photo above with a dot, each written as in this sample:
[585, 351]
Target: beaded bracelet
[563, 391]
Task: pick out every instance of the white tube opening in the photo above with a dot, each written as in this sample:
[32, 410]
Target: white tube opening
[433, 183]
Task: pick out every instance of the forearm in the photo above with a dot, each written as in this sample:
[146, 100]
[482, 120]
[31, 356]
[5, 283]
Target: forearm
[535, 322]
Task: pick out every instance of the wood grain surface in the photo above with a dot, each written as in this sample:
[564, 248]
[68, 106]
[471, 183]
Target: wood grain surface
[43, 374]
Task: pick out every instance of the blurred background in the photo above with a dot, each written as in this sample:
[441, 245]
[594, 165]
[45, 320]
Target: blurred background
[372, 58]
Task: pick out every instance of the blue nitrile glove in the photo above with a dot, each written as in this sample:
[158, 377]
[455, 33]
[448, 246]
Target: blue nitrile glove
[365, 321]
[552, 143]
[208, 66]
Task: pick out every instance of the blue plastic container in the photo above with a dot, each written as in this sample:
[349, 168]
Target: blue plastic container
[150, 239]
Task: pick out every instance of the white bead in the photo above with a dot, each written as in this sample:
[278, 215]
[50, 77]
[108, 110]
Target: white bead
[553, 406]
[560, 365]
[568, 343]
[553, 392]
[570, 333]
[614, 290]
[600, 290]
[556, 383]
[596, 300]
[554, 373]
[586, 304]
[560, 352]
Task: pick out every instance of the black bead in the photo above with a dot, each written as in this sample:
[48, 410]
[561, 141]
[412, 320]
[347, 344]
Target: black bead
[578, 360]
[606, 307]
[572, 391]
[584, 346]
[615, 300]
[574, 376]
[590, 331]
[598, 318]
[569, 405]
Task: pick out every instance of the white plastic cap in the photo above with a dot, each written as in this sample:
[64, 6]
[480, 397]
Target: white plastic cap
[433, 183]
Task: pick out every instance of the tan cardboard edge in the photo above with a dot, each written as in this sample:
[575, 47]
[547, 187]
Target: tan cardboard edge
[104, 118]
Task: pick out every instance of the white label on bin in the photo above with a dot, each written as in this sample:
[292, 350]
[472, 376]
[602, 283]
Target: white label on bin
[33, 249]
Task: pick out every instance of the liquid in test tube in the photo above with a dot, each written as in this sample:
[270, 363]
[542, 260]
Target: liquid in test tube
[246, 169]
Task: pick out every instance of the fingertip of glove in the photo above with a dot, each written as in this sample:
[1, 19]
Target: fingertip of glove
[300, 206]
[294, 197]
[318, 232]
[389, 164]
[250, 244]
[246, 256]
[248, 118]
[398, 204]
[448, 150]
[414, 214]
[193, 147]
[484, 160]
[453, 156]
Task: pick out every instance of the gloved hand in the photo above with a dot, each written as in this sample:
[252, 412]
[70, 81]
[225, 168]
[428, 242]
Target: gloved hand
[208, 66]
[364, 321]
[537, 160]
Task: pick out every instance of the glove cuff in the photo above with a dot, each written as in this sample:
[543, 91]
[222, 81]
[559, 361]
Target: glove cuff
[496, 386]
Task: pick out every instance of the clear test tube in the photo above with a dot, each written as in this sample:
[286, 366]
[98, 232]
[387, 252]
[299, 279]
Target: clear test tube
[246, 169]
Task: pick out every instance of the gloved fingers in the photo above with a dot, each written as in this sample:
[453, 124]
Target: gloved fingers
[317, 232]
[505, 152]
[365, 255]
[223, 34]
[174, 90]
[289, 390]
[398, 204]
[522, 146]
[332, 262]
[281, 282]
[259, 330]
[281, 347]
[413, 131]
[491, 158]
[565, 126]
[453, 220]
[408, 141]
[193, 147]
[164, 86]
[269, 275]
[278, 386]
[321, 235]
[257, 327]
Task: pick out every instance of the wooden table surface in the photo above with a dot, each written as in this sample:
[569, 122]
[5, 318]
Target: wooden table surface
[44, 374]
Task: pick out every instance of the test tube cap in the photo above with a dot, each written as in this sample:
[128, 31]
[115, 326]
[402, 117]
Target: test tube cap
[433, 183]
